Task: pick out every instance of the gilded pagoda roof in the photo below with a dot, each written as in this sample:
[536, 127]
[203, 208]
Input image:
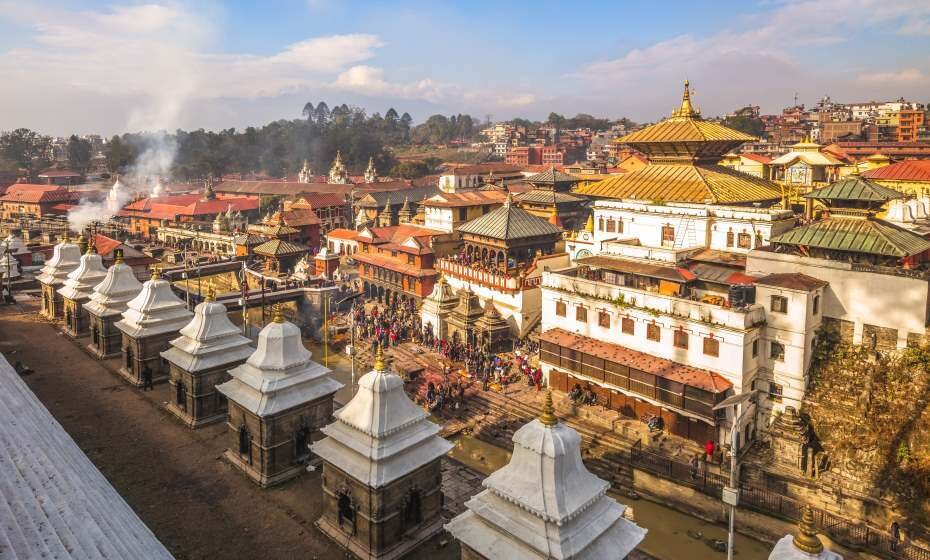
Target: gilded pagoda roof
[855, 188]
[686, 125]
[856, 232]
[684, 183]
[509, 222]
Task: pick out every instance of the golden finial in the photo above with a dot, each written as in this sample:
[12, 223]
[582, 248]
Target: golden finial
[119, 256]
[686, 109]
[211, 292]
[67, 237]
[379, 359]
[278, 313]
[589, 225]
[154, 273]
[91, 247]
[548, 416]
[806, 540]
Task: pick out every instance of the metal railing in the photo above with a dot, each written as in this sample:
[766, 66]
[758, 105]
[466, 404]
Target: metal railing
[848, 533]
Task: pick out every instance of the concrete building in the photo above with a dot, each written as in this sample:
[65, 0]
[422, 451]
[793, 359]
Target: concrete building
[106, 306]
[76, 291]
[65, 259]
[278, 400]
[200, 360]
[448, 211]
[544, 504]
[382, 483]
[150, 321]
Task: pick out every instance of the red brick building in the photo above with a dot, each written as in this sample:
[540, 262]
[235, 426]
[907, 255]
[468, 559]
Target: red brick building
[25, 200]
[146, 215]
[535, 155]
[396, 262]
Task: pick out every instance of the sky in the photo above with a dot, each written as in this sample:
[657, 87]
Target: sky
[72, 66]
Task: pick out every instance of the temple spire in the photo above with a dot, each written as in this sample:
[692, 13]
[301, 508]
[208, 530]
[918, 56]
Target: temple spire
[686, 110]
[548, 418]
[278, 314]
[379, 360]
[806, 540]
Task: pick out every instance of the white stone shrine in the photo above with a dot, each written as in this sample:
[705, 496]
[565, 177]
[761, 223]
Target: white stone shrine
[545, 504]
[65, 258]
[106, 306]
[77, 289]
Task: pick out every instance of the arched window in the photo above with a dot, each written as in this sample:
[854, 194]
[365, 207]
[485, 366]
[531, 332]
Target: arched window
[245, 442]
[413, 514]
[346, 512]
[180, 395]
[301, 444]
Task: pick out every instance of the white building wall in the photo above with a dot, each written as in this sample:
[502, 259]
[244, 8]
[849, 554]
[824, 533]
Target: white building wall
[439, 218]
[859, 296]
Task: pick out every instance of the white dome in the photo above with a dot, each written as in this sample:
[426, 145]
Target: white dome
[155, 310]
[80, 283]
[65, 258]
[210, 340]
[112, 294]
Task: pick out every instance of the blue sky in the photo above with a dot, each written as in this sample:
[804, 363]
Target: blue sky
[93, 66]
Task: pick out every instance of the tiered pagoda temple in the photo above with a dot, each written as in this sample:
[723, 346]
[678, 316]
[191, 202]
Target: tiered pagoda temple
[199, 360]
[462, 323]
[106, 306]
[551, 194]
[150, 321]
[278, 401]
[65, 258]
[544, 504]
[76, 292]
[848, 229]
[684, 151]
[382, 483]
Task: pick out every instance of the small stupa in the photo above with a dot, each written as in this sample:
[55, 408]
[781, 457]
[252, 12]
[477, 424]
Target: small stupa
[106, 306]
[9, 266]
[65, 258]
[200, 360]
[150, 321]
[278, 401]
[371, 174]
[434, 313]
[78, 288]
[545, 504]
[382, 492]
[116, 197]
[805, 545]
[338, 175]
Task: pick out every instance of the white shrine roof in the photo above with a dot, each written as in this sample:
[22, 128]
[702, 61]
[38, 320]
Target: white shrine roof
[279, 375]
[380, 435]
[9, 264]
[155, 310]
[545, 503]
[114, 292]
[65, 258]
[80, 283]
[55, 503]
[786, 550]
[16, 245]
[210, 340]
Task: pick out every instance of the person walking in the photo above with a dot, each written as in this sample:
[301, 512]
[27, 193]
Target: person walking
[895, 532]
[709, 450]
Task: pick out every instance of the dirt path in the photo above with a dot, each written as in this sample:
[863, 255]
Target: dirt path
[174, 478]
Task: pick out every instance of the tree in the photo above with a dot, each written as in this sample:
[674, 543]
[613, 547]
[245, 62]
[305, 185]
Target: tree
[308, 111]
[749, 125]
[27, 149]
[322, 114]
[118, 155]
[79, 154]
[411, 169]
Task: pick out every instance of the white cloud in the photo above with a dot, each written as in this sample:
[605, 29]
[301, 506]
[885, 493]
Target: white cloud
[907, 76]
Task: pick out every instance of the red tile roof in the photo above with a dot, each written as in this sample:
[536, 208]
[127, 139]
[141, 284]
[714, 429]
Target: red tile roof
[395, 264]
[757, 157]
[35, 194]
[467, 198]
[907, 170]
[167, 207]
[340, 233]
[661, 367]
[792, 281]
[321, 199]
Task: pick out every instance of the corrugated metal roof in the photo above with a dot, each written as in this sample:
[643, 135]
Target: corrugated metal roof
[908, 170]
[686, 129]
[855, 188]
[542, 196]
[684, 183]
[551, 176]
[278, 247]
[856, 235]
[509, 222]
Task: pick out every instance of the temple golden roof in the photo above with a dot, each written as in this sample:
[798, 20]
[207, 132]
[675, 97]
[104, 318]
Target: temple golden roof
[699, 184]
[683, 152]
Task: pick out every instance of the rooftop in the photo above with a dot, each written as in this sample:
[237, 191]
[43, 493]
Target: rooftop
[907, 170]
[509, 222]
[856, 233]
[854, 188]
[792, 281]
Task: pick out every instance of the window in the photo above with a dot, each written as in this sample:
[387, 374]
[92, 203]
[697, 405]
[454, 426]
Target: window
[759, 241]
[581, 314]
[603, 319]
[611, 225]
[755, 348]
[560, 308]
[600, 224]
[816, 305]
[410, 259]
[777, 351]
[681, 339]
[776, 391]
[712, 347]
[393, 253]
[744, 241]
[668, 234]
[463, 214]
[619, 226]
[779, 304]
[653, 332]
[730, 238]
[626, 326]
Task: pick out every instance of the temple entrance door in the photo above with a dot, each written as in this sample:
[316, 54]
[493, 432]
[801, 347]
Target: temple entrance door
[301, 447]
[346, 511]
[412, 511]
[245, 442]
[180, 395]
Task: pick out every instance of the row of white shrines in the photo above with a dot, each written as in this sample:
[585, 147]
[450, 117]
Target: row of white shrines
[381, 475]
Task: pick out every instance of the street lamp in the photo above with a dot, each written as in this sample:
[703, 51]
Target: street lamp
[351, 348]
[730, 494]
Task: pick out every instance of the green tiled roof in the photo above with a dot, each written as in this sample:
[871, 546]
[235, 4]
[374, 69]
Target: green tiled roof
[543, 196]
[856, 235]
[509, 222]
[855, 188]
[551, 176]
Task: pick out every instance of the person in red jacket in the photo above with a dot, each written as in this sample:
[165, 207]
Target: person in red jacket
[709, 450]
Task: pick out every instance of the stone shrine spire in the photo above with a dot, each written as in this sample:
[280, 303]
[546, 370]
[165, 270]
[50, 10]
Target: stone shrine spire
[337, 173]
[805, 545]
[371, 174]
[545, 504]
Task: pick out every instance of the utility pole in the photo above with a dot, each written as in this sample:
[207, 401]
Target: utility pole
[730, 494]
[243, 289]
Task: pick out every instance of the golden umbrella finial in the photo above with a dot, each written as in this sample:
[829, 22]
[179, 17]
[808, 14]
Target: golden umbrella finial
[211, 292]
[548, 416]
[67, 237]
[119, 257]
[154, 273]
[379, 359]
[589, 225]
[806, 540]
[91, 247]
[278, 313]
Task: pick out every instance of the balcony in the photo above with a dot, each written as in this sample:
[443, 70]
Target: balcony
[741, 319]
[494, 280]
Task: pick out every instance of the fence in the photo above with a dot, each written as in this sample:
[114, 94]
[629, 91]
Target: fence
[854, 535]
